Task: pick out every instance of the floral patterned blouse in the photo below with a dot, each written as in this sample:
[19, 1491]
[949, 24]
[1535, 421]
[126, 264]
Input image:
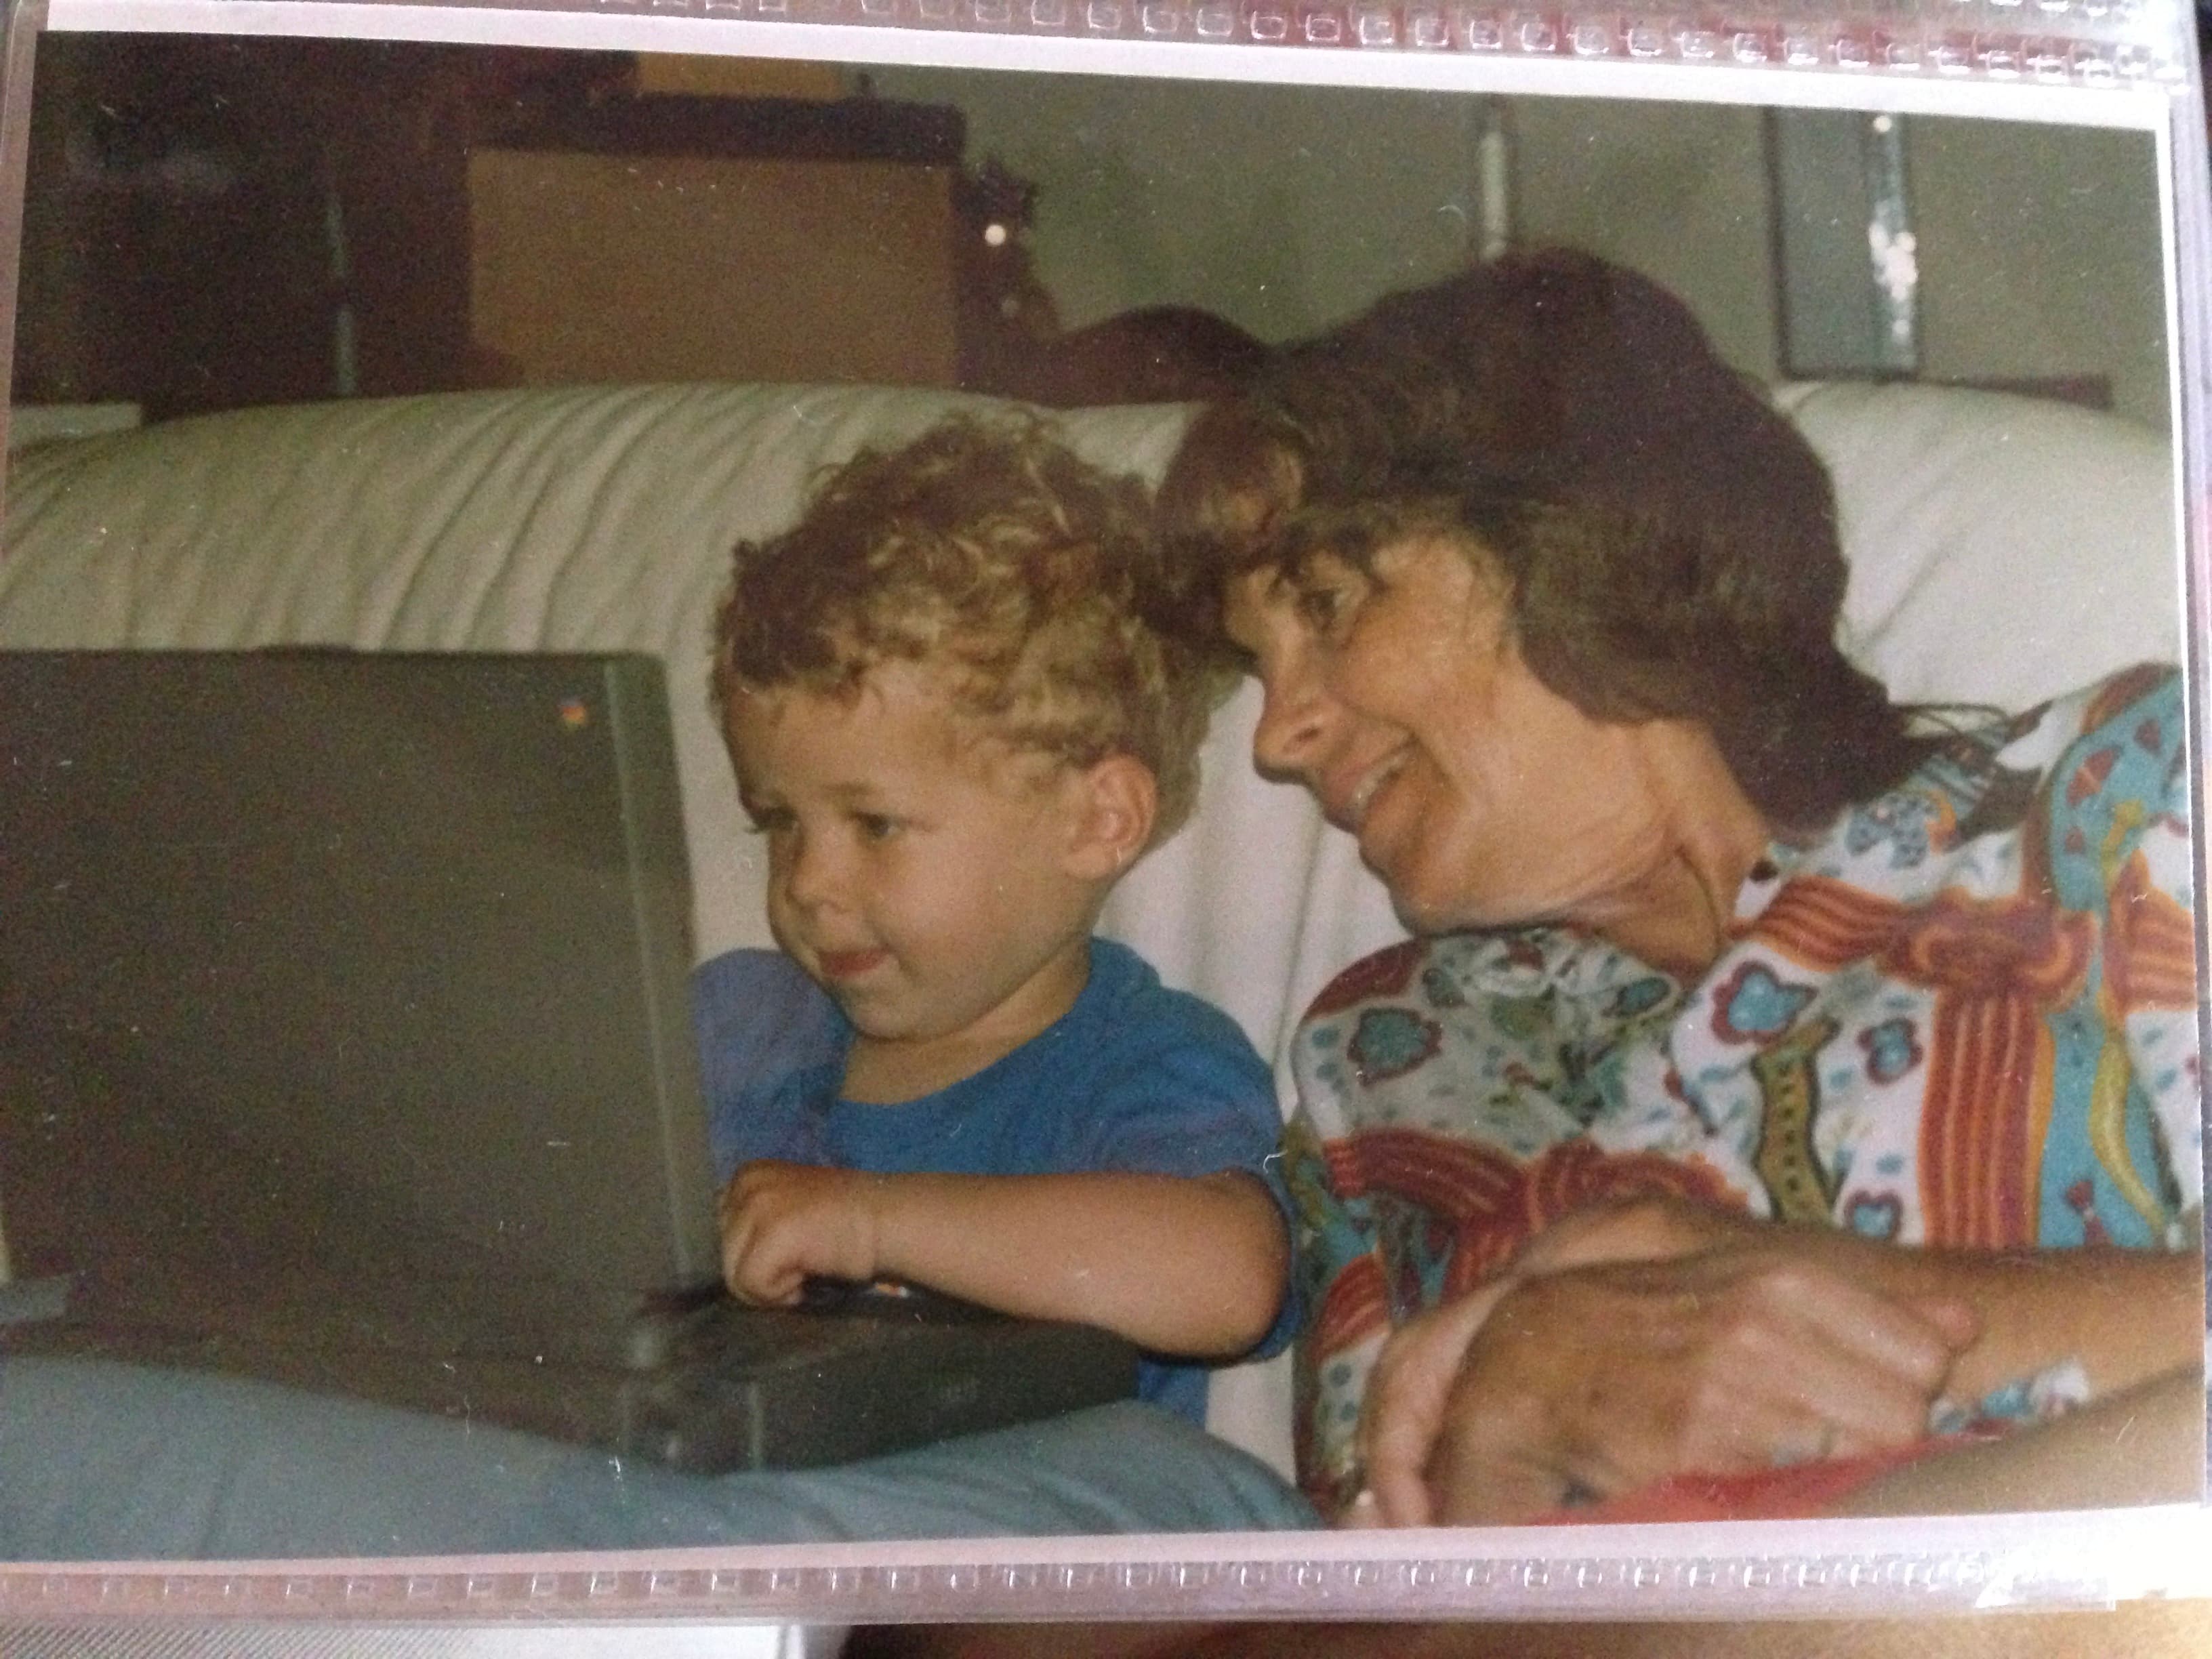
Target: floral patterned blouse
[1964, 1015]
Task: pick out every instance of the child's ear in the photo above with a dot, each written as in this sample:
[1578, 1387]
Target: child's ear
[1115, 802]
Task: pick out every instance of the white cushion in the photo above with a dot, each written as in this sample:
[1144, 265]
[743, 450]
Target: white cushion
[2003, 549]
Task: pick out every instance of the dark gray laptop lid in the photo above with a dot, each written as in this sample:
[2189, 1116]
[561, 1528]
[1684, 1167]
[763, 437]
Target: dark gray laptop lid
[371, 966]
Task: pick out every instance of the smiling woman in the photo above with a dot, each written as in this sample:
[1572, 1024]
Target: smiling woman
[1398, 694]
[1777, 1068]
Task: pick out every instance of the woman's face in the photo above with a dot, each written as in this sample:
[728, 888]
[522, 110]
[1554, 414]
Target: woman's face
[1398, 697]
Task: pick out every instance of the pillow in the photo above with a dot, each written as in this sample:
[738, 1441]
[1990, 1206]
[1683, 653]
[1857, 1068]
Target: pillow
[2003, 549]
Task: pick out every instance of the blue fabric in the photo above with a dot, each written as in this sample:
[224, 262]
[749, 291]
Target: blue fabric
[104, 1462]
[1135, 1077]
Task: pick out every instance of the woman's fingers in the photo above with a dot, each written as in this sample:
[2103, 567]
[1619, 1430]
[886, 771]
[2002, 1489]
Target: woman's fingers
[1957, 1320]
[1403, 1409]
[1398, 1484]
[1608, 1377]
[1806, 1364]
[1889, 1336]
[1822, 1406]
[1492, 1463]
[1399, 1419]
[1619, 1370]
[1806, 1346]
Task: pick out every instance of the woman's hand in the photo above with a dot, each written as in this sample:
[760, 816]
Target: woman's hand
[1600, 1378]
[1402, 1413]
[784, 1222]
[1656, 1227]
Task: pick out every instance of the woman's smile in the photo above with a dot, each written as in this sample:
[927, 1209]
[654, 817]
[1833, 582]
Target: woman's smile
[1363, 793]
[1482, 797]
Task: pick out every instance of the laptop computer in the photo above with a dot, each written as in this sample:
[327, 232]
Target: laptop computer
[345, 1041]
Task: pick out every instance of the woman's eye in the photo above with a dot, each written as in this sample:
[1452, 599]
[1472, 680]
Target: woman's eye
[769, 822]
[874, 826]
[1326, 607]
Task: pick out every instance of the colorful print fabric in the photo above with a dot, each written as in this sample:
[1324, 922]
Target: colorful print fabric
[1964, 1015]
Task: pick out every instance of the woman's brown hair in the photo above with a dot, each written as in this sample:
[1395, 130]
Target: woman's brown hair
[1668, 536]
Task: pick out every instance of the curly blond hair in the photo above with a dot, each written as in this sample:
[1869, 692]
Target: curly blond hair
[989, 553]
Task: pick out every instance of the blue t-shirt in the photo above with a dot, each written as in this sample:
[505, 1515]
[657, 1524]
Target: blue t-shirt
[1135, 1077]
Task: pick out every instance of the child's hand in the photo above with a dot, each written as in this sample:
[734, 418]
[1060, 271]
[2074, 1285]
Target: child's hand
[782, 1222]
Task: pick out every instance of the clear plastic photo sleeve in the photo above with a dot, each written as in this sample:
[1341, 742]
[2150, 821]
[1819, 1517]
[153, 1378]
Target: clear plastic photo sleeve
[1691, 521]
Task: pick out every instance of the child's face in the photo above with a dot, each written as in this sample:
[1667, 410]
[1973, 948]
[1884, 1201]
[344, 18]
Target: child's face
[916, 872]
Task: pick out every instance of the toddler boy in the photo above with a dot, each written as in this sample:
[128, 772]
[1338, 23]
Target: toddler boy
[954, 731]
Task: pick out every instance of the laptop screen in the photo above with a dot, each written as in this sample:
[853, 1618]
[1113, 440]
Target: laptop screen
[365, 965]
